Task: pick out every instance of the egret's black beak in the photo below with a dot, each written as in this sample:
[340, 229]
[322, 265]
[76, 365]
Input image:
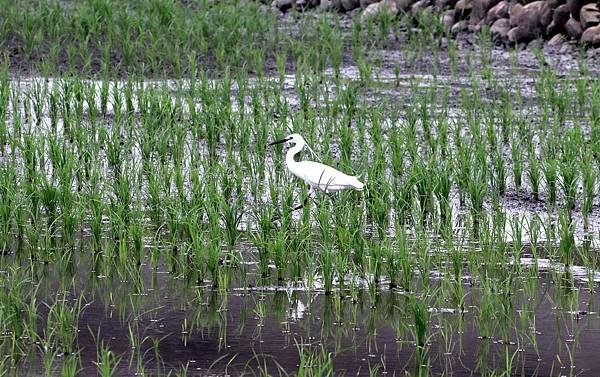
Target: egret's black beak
[280, 141]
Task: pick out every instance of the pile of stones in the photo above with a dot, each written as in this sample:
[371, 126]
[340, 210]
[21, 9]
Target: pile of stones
[510, 21]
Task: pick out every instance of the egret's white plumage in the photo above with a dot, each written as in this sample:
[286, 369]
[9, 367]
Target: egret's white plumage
[318, 176]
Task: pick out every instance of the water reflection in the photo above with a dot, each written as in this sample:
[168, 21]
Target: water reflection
[529, 320]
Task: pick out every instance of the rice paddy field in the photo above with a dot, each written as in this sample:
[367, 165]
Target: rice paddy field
[147, 229]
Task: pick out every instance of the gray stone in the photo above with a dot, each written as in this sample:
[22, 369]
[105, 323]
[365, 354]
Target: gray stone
[384, 6]
[497, 12]
[520, 34]
[283, 5]
[515, 13]
[573, 28]
[480, 9]
[574, 7]
[591, 36]
[459, 27]
[530, 21]
[561, 15]
[444, 4]
[589, 15]
[302, 5]
[326, 4]
[555, 3]
[418, 7]
[463, 9]
[404, 5]
[449, 18]
[500, 29]
[366, 3]
[565, 49]
[348, 5]
[557, 40]
[559, 19]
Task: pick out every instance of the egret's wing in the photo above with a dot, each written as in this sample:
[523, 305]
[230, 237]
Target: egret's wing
[318, 174]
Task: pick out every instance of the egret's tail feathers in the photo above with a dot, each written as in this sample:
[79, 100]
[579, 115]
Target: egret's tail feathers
[358, 185]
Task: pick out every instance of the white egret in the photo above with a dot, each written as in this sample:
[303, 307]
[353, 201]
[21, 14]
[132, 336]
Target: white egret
[318, 176]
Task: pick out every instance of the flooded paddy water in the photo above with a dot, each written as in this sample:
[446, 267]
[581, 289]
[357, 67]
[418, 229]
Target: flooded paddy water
[146, 229]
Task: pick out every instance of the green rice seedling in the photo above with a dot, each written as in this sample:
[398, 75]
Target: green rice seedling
[550, 169]
[377, 208]
[213, 247]
[405, 258]
[325, 241]
[263, 216]
[62, 323]
[70, 366]
[280, 255]
[517, 162]
[421, 317]
[533, 173]
[570, 176]
[231, 207]
[314, 362]
[49, 198]
[462, 168]
[517, 238]
[403, 197]
[589, 186]
[425, 186]
[107, 362]
[477, 188]
[421, 248]
[6, 209]
[566, 246]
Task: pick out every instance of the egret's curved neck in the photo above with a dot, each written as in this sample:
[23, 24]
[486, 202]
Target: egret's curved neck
[289, 157]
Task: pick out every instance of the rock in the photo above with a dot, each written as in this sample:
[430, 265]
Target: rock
[559, 19]
[553, 4]
[404, 5]
[500, 29]
[573, 28]
[591, 36]
[366, 3]
[497, 12]
[480, 9]
[541, 11]
[561, 15]
[440, 5]
[326, 4]
[565, 49]
[476, 28]
[418, 7]
[302, 5]
[515, 13]
[557, 40]
[444, 4]
[593, 53]
[448, 19]
[574, 7]
[529, 21]
[553, 29]
[384, 6]
[348, 5]
[520, 34]
[459, 27]
[463, 9]
[589, 15]
[283, 5]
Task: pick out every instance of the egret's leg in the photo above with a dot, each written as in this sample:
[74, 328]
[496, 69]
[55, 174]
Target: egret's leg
[302, 205]
[311, 194]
